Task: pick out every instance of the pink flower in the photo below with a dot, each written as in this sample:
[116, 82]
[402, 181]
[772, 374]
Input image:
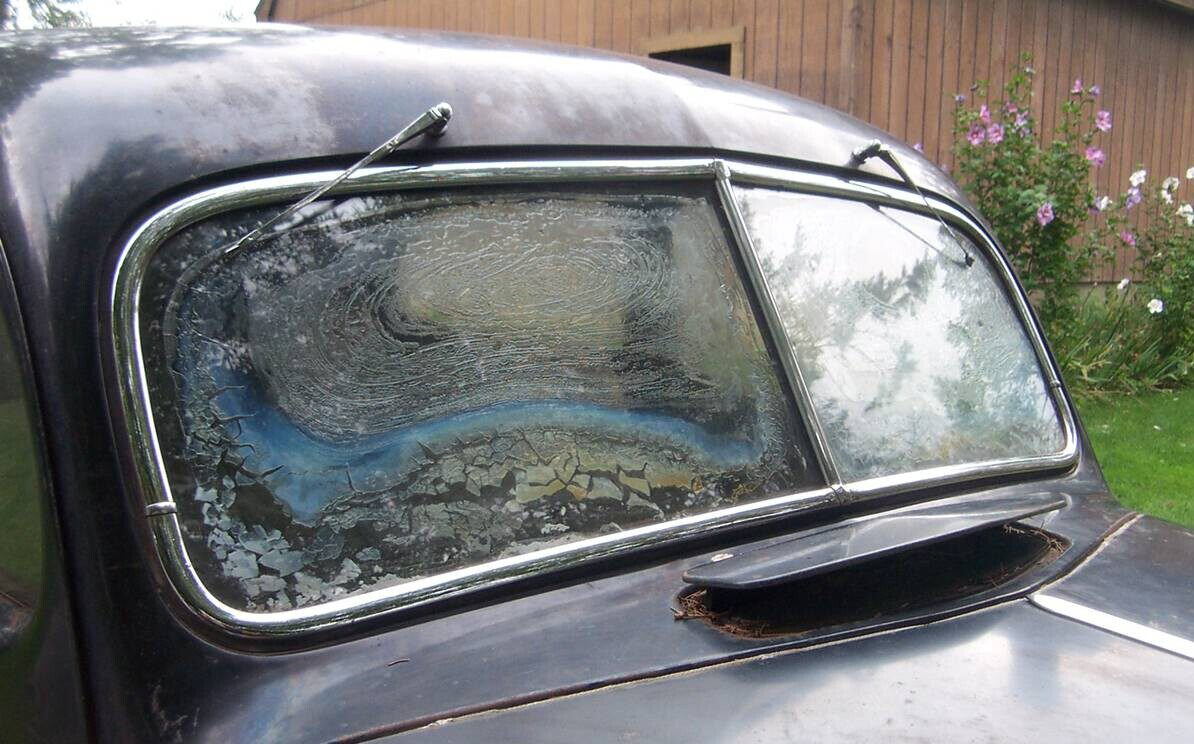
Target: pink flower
[1103, 121]
[1094, 90]
[1077, 87]
[984, 115]
[1044, 215]
[1096, 156]
[1021, 123]
[1133, 198]
[1010, 108]
[976, 135]
[1128, 238]
[995, 134]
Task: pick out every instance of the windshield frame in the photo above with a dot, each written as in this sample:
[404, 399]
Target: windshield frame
[158, 503]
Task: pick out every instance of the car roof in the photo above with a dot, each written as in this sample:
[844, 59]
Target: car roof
[154, 108]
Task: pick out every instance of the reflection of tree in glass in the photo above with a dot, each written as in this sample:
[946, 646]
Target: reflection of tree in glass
[913, 359]
[831, 316]
[998, 400]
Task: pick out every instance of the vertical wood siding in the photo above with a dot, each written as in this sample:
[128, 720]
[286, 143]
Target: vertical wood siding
[894, 63]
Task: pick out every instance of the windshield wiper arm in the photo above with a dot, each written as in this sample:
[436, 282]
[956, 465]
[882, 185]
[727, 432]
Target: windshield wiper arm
[876, 149]
[430, 122]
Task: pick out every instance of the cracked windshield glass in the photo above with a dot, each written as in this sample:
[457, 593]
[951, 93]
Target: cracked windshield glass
[393, 387]
[913, 355]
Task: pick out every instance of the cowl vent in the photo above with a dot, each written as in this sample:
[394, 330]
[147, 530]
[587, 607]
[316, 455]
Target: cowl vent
[897, 584]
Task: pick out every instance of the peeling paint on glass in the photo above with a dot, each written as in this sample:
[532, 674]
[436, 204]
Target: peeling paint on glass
[401, 385]
[913, 359]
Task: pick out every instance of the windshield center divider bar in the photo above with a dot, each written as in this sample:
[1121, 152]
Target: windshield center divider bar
[779, 336]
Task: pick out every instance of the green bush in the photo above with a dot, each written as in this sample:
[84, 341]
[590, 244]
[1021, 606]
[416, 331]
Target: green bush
[1165, 263]
[1113, 346]
[1038, 194]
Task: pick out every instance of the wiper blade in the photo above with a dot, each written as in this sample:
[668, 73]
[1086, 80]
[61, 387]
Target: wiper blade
[865, 538]
[430, 122]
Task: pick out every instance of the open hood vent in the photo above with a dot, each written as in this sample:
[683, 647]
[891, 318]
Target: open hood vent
[864, 539]
[878, 593]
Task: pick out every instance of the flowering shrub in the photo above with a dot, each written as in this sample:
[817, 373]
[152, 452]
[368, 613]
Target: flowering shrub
[1115, 345]
[1165, 261]
[1041, 201]
[1036, 197]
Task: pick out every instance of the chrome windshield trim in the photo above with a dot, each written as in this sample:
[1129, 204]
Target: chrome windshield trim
[1114, 624]
[149, 463]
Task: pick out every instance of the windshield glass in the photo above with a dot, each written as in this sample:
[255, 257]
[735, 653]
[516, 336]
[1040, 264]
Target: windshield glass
[408, 384]
[913, 356]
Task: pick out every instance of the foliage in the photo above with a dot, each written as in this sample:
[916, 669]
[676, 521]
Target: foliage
[1113, 344]
[1165, 262]
[1036, 197]
[45, 14]
[1038, 194]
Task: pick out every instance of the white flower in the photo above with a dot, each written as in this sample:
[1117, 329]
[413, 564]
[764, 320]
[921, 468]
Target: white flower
[1168, 186]
[1186, 211]
[1138, 177]
[1123, 284]
[1102, 203]
[1190, 173]
[1156, 306]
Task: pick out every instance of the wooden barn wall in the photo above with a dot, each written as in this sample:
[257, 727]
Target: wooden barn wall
[895, 63]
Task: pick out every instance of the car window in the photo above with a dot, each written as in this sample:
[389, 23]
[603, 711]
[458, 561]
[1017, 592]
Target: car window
[912, 354]
[21, 489]
[404, 385]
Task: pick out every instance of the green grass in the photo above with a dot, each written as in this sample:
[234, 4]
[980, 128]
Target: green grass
[1145, 444]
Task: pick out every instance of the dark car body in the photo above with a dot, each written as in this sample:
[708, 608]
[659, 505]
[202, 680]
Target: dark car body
[100, 130]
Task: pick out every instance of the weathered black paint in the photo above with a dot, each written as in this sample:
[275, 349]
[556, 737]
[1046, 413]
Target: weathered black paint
[1145, 575]
[1012, 674]
[98, 128]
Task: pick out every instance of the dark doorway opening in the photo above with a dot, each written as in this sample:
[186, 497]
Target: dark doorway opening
[714, 58]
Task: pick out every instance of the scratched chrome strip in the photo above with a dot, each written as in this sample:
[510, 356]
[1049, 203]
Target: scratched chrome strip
[1114, 624]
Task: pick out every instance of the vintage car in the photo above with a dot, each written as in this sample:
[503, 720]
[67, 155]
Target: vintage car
[369, 386]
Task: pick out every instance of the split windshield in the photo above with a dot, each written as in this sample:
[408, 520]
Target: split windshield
[404, 385]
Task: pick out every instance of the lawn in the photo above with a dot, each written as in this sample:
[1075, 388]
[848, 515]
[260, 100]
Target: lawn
[1145, 444]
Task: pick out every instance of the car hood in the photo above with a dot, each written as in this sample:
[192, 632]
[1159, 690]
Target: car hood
[1008, 672]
